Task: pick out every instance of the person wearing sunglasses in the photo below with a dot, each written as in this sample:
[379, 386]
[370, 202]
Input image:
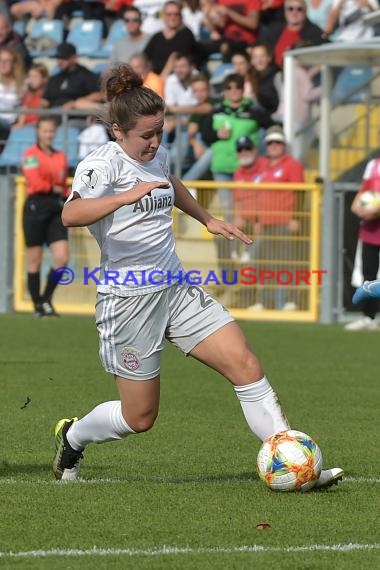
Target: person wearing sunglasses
[135, 40]
[175, 37]
[281, 36]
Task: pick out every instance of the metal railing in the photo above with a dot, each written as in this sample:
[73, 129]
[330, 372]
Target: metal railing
[277, 268]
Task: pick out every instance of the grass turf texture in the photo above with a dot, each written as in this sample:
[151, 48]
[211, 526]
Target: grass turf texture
[191, 481]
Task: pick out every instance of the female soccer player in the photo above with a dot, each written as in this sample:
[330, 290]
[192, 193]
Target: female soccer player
[123, 191]
[45, 170]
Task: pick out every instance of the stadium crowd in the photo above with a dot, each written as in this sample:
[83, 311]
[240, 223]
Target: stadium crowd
[170, 43]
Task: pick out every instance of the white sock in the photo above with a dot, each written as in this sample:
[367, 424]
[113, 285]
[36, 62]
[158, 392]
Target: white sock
[103, 423]
[261, 408]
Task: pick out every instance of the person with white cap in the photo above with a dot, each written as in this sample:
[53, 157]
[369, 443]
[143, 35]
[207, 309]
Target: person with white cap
[276, 213]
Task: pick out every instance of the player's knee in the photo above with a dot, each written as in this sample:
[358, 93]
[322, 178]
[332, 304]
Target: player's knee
[248, 368]
[142, 422]
[252, 367]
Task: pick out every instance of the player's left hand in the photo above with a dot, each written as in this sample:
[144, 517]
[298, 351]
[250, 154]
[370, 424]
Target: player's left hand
[228, 230]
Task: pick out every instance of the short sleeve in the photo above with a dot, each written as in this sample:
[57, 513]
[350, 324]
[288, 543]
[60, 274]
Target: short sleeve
[93, 178]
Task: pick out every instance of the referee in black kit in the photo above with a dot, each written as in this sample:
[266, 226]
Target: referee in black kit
[45, 170]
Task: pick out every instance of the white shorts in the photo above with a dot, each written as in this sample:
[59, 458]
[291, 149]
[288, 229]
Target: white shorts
[132, 330]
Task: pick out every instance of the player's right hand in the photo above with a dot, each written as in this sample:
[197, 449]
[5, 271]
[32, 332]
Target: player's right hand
[141, 189]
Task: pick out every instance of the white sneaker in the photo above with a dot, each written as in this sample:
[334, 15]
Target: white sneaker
[256, 307]
[291, 306]
[329, 477]
[362, 324]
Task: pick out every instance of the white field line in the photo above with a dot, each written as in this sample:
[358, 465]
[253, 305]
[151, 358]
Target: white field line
[175, 550]
[110, 481]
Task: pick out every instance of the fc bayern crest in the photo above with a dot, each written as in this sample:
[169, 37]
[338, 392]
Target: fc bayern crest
[131, 358]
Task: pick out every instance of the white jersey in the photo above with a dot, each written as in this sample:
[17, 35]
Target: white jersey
[137, 239]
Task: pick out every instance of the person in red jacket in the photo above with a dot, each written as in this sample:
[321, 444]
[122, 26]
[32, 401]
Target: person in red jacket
[276, 223]
[45, 170]
[245, 200]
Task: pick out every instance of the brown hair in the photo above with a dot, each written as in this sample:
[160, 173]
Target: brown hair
[128, 99]
[18, 67]
[199, 77]
[47, 119]
[234, 78]
[41, 68]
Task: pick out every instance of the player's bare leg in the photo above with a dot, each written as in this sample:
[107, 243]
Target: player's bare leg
[228, 352]
[135, 412]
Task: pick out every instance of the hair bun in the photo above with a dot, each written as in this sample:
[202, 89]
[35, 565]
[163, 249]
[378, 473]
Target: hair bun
[120, 80]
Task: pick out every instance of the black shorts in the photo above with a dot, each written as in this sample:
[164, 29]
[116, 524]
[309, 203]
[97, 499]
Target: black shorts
[42, 220]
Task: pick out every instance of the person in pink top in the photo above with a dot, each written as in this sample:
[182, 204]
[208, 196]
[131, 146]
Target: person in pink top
[369, 235]
[276, 222]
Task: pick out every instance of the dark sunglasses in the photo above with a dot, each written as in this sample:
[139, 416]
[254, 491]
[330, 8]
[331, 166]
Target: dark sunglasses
[132, 20]
[245, 148]
[274, 142]
[294, 8]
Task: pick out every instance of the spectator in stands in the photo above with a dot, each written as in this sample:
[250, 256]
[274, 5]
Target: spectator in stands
[242, 65]
[245, 210]
[192, 16]
[264, 73]
[135, 40]
[369, 235]
[199, 132]
[92, 137]
[245, 200]
[10, 38]
[234, 25]
[318, 11]
[141, 65]
[282, 36]
[270, 11]
[74, 82]
[345, 20]
[152, 12]
[275, 221]
[12, 77]
[34, 9]
[178, 94]
[178, 89]
[232, 118]
[302, 98]
[175, 37]
[45, 170]
[36, 82]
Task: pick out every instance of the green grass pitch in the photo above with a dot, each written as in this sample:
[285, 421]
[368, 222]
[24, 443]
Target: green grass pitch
[186, 495]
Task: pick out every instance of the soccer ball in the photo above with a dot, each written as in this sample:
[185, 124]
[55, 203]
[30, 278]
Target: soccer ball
[289, 461]
[369, 199]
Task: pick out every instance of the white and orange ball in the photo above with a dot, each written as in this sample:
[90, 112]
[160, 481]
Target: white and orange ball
[289, 461]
